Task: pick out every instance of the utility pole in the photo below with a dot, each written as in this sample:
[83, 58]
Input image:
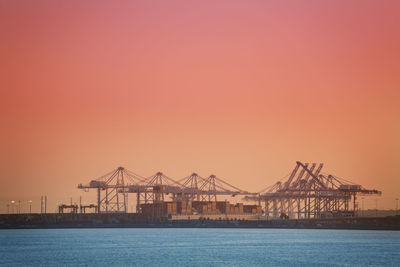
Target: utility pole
[362, 206]
[43, 204]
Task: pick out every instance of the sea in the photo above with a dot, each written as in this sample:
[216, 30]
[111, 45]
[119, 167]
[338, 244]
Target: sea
[198, 247]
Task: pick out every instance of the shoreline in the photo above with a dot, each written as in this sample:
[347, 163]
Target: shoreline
[133, 220]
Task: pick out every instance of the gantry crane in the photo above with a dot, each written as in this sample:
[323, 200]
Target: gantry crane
[113, 187]
[313, 196]
[307, 193]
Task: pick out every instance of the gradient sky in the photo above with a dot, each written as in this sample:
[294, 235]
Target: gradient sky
[241, 89]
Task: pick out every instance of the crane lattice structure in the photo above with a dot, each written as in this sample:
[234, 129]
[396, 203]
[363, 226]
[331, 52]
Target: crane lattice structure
[198, 188]
[111, 195]
[154, 189]
[113, 187]
[307, 193]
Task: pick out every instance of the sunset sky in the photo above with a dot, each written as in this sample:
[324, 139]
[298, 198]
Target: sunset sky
[241, 89]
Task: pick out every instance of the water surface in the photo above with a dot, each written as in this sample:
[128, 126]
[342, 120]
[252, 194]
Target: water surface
[199, 247]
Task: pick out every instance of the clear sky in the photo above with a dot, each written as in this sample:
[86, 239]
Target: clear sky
[241, 89]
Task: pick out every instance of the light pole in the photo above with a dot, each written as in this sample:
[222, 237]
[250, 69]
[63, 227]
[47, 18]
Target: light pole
[8, 208]
[12, 206]
[397, 205]
[376, 206]
[30, 206]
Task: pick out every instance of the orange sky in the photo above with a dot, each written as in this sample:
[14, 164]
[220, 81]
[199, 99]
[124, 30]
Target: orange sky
[241, 89]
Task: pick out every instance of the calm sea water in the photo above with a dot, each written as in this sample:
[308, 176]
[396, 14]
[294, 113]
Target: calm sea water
[199, 247]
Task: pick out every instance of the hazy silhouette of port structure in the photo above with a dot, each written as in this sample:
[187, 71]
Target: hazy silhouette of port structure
[309, 193]
[306, 193]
